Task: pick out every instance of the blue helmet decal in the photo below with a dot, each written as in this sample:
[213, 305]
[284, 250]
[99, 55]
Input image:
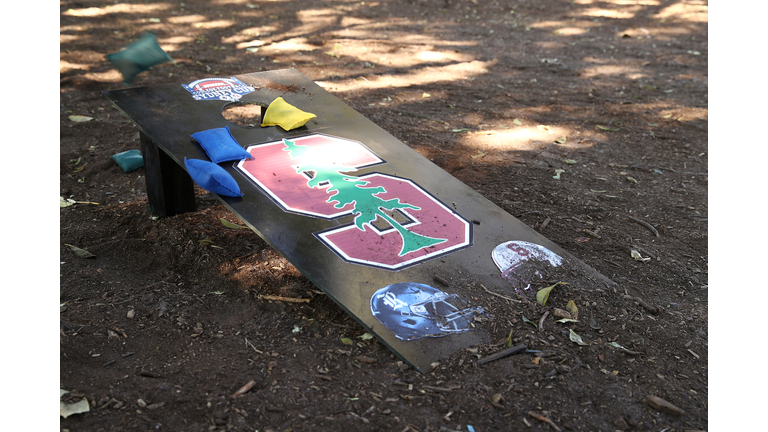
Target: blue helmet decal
[413, 311]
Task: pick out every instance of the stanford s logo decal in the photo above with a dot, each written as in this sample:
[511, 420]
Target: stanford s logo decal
[396, 223]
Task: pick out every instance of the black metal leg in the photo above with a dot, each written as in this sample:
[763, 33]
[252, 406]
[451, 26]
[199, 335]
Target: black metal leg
[170, 189]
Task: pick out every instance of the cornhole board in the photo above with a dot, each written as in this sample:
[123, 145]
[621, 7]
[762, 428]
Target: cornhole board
[407, 250]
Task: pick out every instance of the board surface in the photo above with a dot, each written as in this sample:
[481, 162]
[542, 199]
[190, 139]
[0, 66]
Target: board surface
[368, 220]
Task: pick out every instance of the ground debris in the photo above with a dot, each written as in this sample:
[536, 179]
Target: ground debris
[662, 405]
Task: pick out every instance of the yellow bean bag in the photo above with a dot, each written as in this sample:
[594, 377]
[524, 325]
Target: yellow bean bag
[281, 113]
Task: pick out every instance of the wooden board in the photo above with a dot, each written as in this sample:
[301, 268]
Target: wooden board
[369, 221]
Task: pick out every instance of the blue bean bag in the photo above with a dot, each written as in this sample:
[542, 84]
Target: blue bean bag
[212, 177]
[220, 145]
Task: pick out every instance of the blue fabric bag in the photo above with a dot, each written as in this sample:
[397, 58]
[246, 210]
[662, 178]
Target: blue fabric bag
[212, 177]
[220, 145]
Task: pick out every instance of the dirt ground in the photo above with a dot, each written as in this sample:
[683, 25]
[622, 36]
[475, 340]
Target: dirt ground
[164, 323]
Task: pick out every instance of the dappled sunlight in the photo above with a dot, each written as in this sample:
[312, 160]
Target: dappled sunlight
[694, 11]
[187, 19]
[631, 72]
[519, 138]
[118, 8]
[570, 31]
[415, 77]
[65, 66]
[627, 13]
[216, 24]
[66, 38]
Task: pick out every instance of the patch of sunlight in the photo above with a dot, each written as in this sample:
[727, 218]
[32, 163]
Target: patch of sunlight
[313, 20]
[215, 24]
[118, 8]
[243, 42]
[419, 76]
[65, 66]
[295, 44]
[694, 11]
[187, 19]
[64, 38]
[174, 43]
[348, 22]
[518, 138]
[602, 70]
[620, 2]
[625, 13]
[110, 76]
[570, 31]
[635, 2]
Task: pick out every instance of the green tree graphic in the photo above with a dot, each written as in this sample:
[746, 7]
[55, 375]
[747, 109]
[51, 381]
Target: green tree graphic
[346, 189]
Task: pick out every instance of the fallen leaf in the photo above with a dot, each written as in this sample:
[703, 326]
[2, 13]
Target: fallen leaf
[425, 95]
[566, 320]
[636, 255]
[545, 128]
[346, 341]
[479, 154]
[526, 320]
[543, 294]
[569, 161]
[557, 174]
[366, 336]
[571, 306]
[576, 338]
[80, 118]
[517, 122]
[66, 202]
[82, 253]
[229, 224]
[459, 130]
[205, 242]
[598, 191]
[632, 180]
[609, 129]
[67, 410]
[561, 140]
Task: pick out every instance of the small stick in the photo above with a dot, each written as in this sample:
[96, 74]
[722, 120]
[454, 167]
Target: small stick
[544, 419]
[441, 280]
[254, 348]
[645, 224]
[244, 389]
[646, 306]
[503, 353]
[544, 224]
[541, 321]
[496, 294]
[285, 299]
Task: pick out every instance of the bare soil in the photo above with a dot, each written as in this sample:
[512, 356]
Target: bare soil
[164, 324]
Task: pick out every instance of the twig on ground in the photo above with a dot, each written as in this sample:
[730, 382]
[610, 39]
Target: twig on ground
[541, 321]
[644, 305]
[544, 419]
[645, 224]
[496, 294]
[244, 389]
[251, 345]
[285, 299]
[441, 280]
[502, 354]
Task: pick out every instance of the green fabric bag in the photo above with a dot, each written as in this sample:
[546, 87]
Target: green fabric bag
[130, 160]
[138, 57]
